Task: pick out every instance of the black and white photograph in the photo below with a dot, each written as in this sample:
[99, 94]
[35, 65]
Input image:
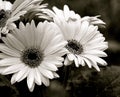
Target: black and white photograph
[59, 48]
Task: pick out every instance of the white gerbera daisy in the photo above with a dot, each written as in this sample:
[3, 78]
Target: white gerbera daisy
[32, 52]
[85, 43]
[12, 12]
[69, 15]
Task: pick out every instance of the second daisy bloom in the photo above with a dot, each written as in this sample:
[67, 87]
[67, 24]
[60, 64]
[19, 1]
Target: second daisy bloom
[85, 43]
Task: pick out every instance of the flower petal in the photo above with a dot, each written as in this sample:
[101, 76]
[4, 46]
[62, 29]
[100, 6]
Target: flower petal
[13, 69]
[38, 77]
[46, 73]
[30, 79]
[48, 66]
[8, 51]
[22, 74]
[9, 61]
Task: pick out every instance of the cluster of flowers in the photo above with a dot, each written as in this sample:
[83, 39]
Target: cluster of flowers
[36, 51]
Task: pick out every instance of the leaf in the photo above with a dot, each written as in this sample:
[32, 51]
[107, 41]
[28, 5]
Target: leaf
[90, 83]
[55, 89]
[6, 89]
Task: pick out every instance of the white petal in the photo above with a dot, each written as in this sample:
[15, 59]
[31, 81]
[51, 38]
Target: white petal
[76, 62]
[32, 34]
[90, 33]
[46, 73]
[97, 59]
[71, 57]
[81, 60]
[47, 37]
[66, 12]
[57, 39]
[100, 46]
[32, 88]
[54, 57]
[22, 5]
[48, 66]
[83, 29]
[16, 4]
[88, 62]
[59, 13]
[13, 79]
[9, 51]
[9, 61]
[7, 5]
[95, 65]
[13, 69]
[45, 80]
[57, 63]
[67, 61]
[12, 19]
[38, 77]
[19, 34]
[56, 75]
[2, 55]
[5, 40]
[30, 79]
[2, 68]
[96, 53]
[22, 74]
[28, 36]
[55, 48]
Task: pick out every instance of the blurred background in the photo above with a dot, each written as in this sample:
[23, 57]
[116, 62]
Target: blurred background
[81, 82]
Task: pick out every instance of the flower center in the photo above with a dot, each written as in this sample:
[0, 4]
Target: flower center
[4, 15]
[74, 47]
[32, 57]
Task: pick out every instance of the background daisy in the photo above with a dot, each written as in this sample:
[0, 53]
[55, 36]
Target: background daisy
[32, 52]
[69, 15]
[12, 12]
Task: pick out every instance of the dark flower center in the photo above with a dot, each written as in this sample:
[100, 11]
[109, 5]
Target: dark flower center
[74, 47]
[4, 15]
[32, 57]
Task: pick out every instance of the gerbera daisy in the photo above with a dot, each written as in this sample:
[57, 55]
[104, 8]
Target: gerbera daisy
[85, 43]
[32, 52]
[12, 12]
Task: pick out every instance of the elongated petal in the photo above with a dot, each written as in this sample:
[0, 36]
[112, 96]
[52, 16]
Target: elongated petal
[9, 51]
[30, 80]
[38, 80]
[49, 66]
[46, 73]
[22, 74]
[13, 69]
[9, 61]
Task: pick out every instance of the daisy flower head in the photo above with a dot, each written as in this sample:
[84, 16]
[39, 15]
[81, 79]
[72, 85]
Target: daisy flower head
[86, 44]
[11, 12]
[32, 52]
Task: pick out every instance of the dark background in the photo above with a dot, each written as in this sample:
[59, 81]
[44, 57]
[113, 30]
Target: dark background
[81, 82]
